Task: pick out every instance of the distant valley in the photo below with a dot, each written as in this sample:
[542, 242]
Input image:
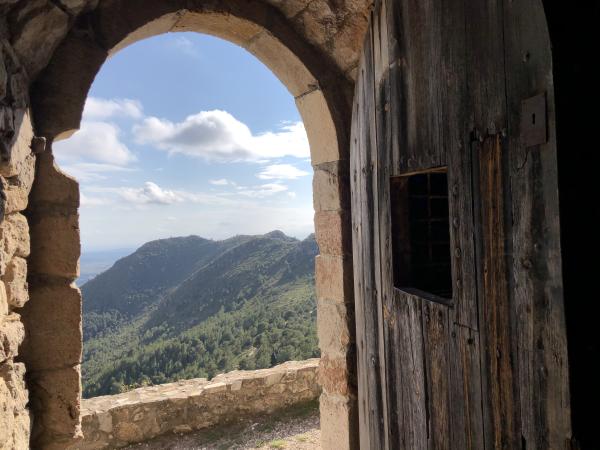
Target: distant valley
[191, 307]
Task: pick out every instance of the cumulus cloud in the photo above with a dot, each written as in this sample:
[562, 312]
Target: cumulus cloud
[103, 109]
[218, 136]
[281, 172]
[220, 182]
[150, 193]
[95, 141]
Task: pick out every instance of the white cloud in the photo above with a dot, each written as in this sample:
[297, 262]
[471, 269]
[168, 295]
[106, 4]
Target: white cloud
[92, 171]
[281, 172]
[220, 182]
[84, 200]
[262, 191]
[218, 136]
[95, 141]
[102, 109]
[291, 194]
[150, 193]
[186, 46]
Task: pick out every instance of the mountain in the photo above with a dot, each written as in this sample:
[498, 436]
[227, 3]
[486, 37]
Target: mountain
[191, 307]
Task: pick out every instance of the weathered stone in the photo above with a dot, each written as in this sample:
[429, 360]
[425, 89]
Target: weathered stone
[344, 50]
[53, 186]
[12, 333]
[290, 8]
[337, 375]
[14, 417]
[31, 20]
[225, 26]
[333, 233]
[283, 63]
[338, 419]
[3, 300]
[58, 256]
[77, 6]
[331, 186]
[59, 342]
[15, 281]
[144, 413]
[3, 77]
[55, 406]
[18, 187]
[65, 85]
[333, 278]
[14, 237]
[320, 129]
[334, 322]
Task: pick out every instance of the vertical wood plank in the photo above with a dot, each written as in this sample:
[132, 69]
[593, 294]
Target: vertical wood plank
[538, 292]
[363, 145]
[436, 348]
[466, 421]
[501, 427]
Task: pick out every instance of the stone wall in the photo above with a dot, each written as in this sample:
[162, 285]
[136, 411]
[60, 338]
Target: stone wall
[114, 421]
[17, 164]
[50, 51]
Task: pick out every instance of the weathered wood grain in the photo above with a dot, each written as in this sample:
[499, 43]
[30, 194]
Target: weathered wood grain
[539, 320]
[436, 87]
[371, 408]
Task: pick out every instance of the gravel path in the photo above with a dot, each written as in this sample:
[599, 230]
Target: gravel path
[297, 430]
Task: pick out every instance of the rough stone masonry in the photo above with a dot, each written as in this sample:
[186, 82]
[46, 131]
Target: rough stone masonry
[50, 46]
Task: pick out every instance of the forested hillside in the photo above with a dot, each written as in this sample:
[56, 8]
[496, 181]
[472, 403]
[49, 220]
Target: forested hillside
[191, 307]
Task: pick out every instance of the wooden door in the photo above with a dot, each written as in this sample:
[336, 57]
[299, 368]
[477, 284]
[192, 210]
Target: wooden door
[459, 309]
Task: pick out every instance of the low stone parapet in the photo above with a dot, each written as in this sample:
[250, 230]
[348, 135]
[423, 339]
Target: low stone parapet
[114, 421]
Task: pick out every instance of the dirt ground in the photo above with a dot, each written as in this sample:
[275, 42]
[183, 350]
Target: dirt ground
[297, 429]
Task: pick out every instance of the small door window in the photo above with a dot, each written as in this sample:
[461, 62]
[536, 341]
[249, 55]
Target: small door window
[421, 233]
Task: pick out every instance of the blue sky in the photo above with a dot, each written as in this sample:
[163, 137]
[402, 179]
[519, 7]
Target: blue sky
[188, 134]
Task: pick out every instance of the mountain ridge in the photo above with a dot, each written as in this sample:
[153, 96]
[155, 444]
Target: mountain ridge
[242, 302]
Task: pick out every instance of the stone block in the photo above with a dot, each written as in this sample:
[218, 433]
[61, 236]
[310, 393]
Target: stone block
[331, 186]
[64, 86]
[290, 8]
[333, 278]
[53, 186]
[17, 188]
[55, 244]
[20, 148]
[335, 327]
[3, 301]
[15, 421]
[56, 343]
[15, 282]
[320, 129]
[337, 375]
[31, 20]
[161, 25]
[12, 333]
[339, 422]
[225, 26]
[14, 236]
[55, 405]
[286, 66]
[333, 232]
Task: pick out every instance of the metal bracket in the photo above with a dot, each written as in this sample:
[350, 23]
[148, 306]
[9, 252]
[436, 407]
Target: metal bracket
[534, 129]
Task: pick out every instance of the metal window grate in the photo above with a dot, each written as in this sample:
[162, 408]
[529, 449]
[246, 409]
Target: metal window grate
[421, 233]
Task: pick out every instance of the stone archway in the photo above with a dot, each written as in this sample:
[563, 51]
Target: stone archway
[323, 93]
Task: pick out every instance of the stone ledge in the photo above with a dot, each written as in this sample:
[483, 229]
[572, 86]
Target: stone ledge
[114, 421]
